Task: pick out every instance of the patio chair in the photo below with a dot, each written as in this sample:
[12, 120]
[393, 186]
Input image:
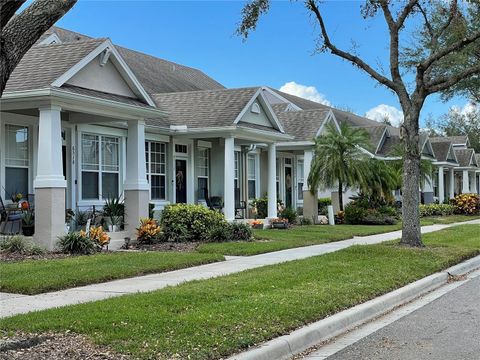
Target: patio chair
[10, 222]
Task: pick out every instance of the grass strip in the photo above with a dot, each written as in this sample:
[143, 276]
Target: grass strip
[39, 276]
[215, 318]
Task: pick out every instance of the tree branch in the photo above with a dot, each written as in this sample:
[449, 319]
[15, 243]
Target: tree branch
[407, 10]
[355, 60]
[8, 9]
[445, 82]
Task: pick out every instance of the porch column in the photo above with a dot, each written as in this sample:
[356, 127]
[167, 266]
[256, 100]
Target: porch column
[49, 183]
[451, 183]
[441, 188]
[465, 182]
[136, 185]
[229, 181]
[272, 181]
[310, 201]
[473, 183]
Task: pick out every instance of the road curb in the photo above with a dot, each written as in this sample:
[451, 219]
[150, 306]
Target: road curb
[284, 347]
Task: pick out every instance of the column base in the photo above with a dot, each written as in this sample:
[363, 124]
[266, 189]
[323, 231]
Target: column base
[310, 206]
[49, 216]
[136, 207]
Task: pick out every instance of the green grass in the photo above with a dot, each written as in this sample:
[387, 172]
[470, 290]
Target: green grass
[430, 220]
[274, 239]
[214, 318]
[38, 276]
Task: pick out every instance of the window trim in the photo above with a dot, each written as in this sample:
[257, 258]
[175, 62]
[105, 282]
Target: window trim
[300, 178]
[257, 175]
[201, 149]
[149, 173]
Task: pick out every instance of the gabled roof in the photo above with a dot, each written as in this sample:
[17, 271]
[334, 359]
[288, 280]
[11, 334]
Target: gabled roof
[444, 151]
[465, 157]
[303, 125]
[460, 140]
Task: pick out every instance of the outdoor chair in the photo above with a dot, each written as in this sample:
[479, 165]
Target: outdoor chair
[10, 221]
[240, 205]
[213, 202]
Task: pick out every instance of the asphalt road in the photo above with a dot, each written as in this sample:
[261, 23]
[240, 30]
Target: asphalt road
[446, 329]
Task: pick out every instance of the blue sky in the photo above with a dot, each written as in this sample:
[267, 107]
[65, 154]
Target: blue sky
[201, 34]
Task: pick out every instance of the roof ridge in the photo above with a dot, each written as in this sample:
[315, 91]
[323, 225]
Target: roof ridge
[71, 43]
[205, 91]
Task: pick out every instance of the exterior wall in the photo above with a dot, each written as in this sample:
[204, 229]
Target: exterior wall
[102, 78]
[257, 119]
[217, 156]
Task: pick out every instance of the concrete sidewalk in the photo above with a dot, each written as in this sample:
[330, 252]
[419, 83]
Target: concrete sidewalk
[12, 304]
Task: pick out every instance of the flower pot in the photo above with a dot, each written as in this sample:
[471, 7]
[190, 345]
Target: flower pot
[112, 228]
[258, 226]
[279, 225]
[28, 230]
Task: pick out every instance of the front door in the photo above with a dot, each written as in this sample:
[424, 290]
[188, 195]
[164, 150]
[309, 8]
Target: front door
[288, 186]
[181, 181]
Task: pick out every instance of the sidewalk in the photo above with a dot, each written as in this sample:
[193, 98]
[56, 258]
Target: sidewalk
[12, 304]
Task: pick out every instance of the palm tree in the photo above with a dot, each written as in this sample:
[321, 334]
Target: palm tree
[339, 160]
[381, 180]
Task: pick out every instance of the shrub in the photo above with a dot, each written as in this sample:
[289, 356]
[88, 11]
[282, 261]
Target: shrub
[260, 207]
[240, 232]
[354, 214]
[97, 235]
[467, 204]
[436, 210]
[187, 222]
[148, 231]
[323, 205]
[305, 221]
[289, 214]
[19, 244]
[78, 243]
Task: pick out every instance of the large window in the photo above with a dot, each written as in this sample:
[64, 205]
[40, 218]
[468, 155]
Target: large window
[203, 164]
[300, 179]
[156, 159]
[100, 166]
[16, 160]
[252, 176]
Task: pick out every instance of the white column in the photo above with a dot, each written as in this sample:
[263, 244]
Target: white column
[465, 182]
[310, 201]
[49, 183]
[272, 181]
[307, 163]
[441, 187]
[229, 183]
[136, 186]
[473, 183]
[451, 183]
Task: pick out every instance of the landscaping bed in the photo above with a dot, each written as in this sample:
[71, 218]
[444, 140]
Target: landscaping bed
[215, 318]
[39, 276]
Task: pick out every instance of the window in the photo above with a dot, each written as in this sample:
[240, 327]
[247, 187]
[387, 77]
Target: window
[16, 160]
[277, 180]
[156, 159]
[236, 178]
[100, 166]
[255, 108]
[252, 176]
[182, 149]
[300, 179]
[203, 171]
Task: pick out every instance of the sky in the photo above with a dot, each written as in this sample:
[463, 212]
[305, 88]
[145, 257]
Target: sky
[280, 53]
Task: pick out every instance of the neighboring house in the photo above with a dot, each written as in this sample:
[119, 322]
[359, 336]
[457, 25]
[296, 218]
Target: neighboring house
[83, 120]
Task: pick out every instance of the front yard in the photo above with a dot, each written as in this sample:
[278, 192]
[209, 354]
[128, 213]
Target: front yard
[212, 319]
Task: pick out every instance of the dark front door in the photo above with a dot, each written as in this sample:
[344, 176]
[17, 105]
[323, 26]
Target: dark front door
[288, 187]
[181, 181]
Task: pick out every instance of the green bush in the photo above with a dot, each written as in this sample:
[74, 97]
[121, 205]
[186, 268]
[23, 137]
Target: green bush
[77, 243]
[188, 222]
[436, 210]
[323, 205]
[19, 244]
[261, 206]
[354, 214]
[289, 214]
[467, 204]
[305, 221]
[230, 232]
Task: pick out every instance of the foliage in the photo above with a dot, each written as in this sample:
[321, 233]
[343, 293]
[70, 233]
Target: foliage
[323, 205]
[338, 160]
[467, 204]
[188, 222]
[290, 214]
[77, 243]
[97, 236]
[21, 245]
[230, 232]
[148, 231]
[304, 221]
[114, 210]
[367, 210]
[81, 218]
[380, 180]
[436, 210]
[256, 222]
[260, 207]
[28, 218]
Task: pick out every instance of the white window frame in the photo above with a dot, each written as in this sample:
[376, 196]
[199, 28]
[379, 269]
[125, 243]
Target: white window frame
[257, 174]
[148, 157]
[300, 178]
[200, 150]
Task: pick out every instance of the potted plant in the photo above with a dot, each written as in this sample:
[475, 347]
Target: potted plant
[28, 223]
[278, 223]
[113, 213]
[257, 224]
[69, 216]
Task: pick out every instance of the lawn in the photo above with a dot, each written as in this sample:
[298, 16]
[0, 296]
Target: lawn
[38, 276]
[214, 318]
[430, 220]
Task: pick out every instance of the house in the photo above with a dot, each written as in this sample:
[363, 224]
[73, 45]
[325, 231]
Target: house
[83, 119]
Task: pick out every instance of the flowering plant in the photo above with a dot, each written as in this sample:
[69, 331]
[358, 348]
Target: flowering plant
[16, 197]
[279, 220]
[148, 230]
[97, 235]
[256, 222]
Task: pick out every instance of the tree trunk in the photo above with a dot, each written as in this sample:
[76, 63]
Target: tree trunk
[340, 195]
[411, 234]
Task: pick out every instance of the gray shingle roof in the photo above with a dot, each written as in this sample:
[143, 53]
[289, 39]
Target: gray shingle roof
[303, 125]
[455, 140]
[464, 156]
[207, 108]
[42, 65]
[441, 149]
[389, 146]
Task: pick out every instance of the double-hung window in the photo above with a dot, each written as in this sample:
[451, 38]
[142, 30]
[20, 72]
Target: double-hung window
[300, 179]
[100, 166]
[252, 176]
[16, 160]
[156, 159]
[203, 170]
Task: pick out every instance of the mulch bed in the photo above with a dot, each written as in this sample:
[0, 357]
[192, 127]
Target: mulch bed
[7, 256]
[53, 346]
[167, 246]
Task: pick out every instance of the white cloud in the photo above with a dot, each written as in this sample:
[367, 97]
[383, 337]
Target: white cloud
[380, 112]
[306, 92]
[468, 108]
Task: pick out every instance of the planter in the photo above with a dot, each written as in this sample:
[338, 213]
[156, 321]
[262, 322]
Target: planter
[28, 230]
[280, 225]
[113, 223]
[257, 226]
[112, 228]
